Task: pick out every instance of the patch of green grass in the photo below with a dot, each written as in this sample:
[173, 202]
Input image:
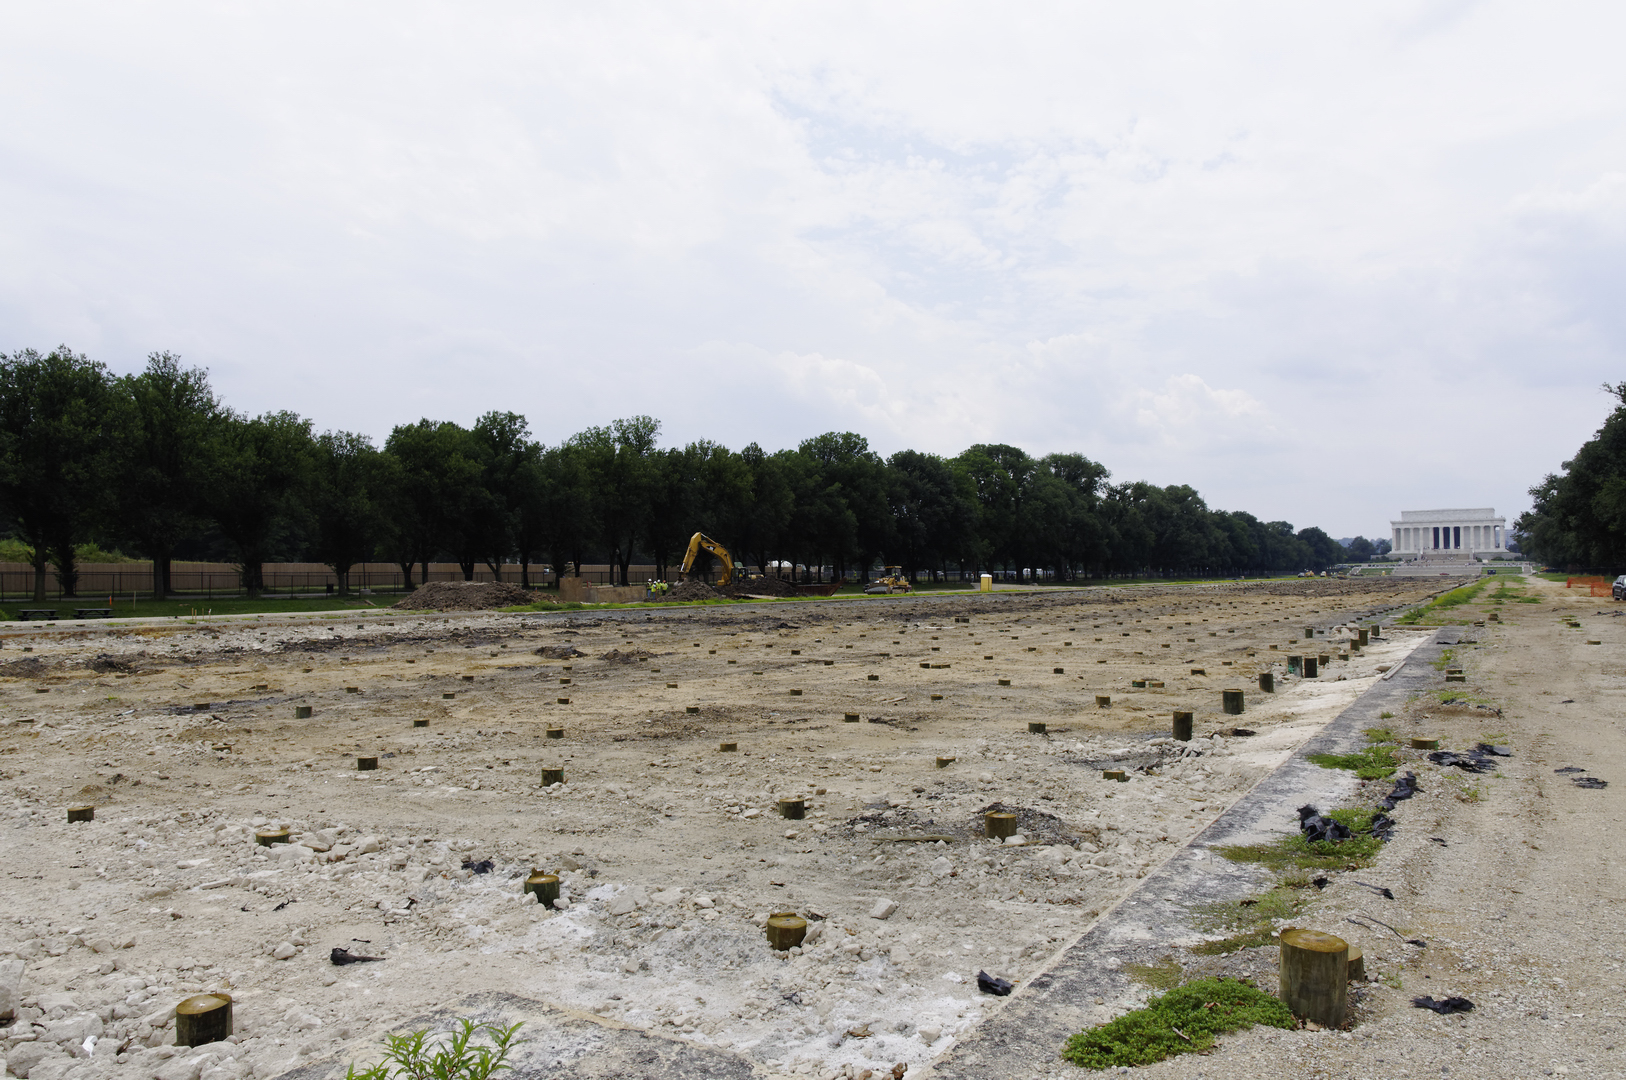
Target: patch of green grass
[1386, 715]
[1249, 923]
[1391, 980]
[1166, 974]
[1294, 852]
[1528, 600]
[1376, 761]
[1185, 1020]
[1381, 734]
[1435, 610]
[1446, 658]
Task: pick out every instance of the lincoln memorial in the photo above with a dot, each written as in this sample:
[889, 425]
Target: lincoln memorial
[1460, 533]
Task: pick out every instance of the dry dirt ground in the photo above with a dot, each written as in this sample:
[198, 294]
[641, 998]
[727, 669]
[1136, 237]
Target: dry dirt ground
[671, 852]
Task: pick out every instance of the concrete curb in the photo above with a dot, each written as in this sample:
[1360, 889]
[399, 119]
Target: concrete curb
[1026, 1035]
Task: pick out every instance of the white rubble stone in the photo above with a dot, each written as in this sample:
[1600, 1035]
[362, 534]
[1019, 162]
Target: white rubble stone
[11, 979]
[883, 909]
[284, 951]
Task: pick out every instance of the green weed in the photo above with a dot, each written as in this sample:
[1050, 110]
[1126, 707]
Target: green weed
[1386, 715]
[1185, 1020]
[418, 1057]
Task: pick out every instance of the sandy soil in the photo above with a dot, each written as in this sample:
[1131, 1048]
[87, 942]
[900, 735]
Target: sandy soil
[671, 852]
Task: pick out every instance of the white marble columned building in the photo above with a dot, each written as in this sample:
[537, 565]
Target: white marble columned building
[1476, 533]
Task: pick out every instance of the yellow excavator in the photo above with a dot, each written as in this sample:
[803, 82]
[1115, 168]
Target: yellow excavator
[701, 542]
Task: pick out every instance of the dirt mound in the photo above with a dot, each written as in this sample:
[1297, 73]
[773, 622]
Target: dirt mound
[693, 590]
[616, 656]
[766, 586]
[466, 596]
[559, 652]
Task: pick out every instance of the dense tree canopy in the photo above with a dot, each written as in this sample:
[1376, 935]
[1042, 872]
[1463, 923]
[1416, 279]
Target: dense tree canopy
[1579, 515]
[157, 463]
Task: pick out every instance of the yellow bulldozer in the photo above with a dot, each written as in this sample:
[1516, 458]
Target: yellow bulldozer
[701, 542]
[890, 582]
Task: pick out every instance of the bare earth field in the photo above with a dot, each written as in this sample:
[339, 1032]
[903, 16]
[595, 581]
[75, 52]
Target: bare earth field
[672, 853]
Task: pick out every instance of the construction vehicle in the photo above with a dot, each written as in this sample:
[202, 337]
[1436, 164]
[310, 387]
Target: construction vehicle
[701, 542]
[890, 582]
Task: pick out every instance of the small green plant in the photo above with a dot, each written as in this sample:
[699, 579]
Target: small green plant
[1386, 715]
[1391, 980]
[1184, 1020]
[419, 1056]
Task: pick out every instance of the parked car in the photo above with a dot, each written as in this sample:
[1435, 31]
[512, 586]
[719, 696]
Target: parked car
[1619, 589]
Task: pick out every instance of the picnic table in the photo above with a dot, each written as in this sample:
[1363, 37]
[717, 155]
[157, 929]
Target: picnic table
[93, 613]
[37, 613]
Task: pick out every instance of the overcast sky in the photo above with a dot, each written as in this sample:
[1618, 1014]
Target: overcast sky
[1322, 262]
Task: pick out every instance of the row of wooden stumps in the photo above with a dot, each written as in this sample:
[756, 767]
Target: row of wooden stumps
[1316, 969]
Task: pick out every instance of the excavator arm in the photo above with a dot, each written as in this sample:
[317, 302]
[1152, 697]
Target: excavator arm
[701, 542]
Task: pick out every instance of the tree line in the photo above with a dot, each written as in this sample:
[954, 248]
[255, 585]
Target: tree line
[1578, 515]
[157, 464]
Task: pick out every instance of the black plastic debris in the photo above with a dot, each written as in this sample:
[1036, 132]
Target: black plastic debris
[1383, 826]
[1405, 788]
[345, 956]
[1379, 889]
[1440, 840]
[1317, 826]
[1569, 769]
[1420, 943]
[484, 866]
[990, 985]
[1590, 782]
[1567, 701]
[1445, 1006]
[1499, 751]
[1473, 761]
[1320, 882]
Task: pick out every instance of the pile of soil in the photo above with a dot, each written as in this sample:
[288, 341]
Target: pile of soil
[559, 652]
[616, 656]
[693, 590]
[764, 586]
[467, 596]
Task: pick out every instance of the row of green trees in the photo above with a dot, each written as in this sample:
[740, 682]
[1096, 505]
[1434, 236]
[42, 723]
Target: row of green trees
[154, 462]
[1578, 516]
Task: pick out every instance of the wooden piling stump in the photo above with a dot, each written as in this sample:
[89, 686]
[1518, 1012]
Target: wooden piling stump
[1315, 976]
[998, 825]
[1231, 702]
[267, 837]
[785, 930]
[545, 887]
[204, 1018]
[1182, 726]
[552, 776]
[366, 764]
[302, 712]
[1036, 727]
[81, 813]
[792, 809]
[1267, 682]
